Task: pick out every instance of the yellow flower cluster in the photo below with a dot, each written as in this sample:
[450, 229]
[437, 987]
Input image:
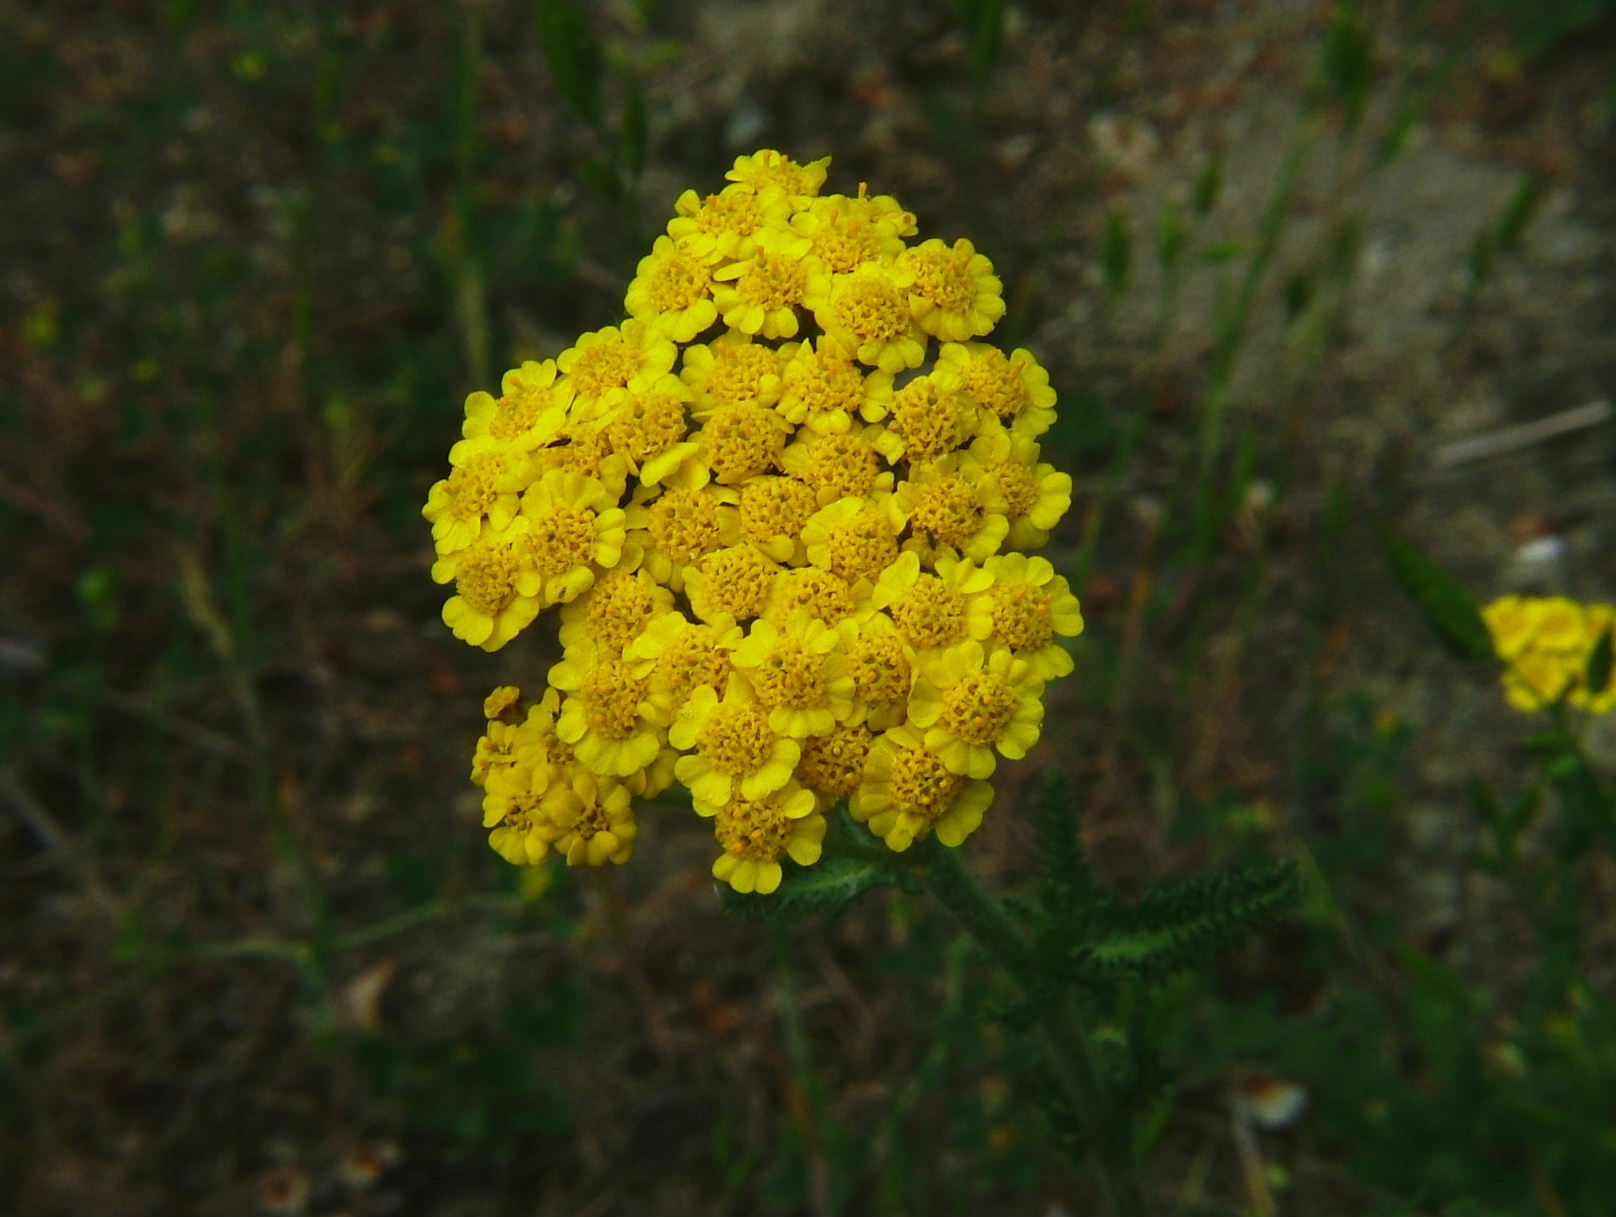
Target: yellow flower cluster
[1546, 644]
[780, 506]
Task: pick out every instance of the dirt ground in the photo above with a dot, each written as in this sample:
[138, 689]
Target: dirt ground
[251, 262]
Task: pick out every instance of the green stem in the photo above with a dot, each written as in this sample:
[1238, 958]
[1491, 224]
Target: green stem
[986, 919]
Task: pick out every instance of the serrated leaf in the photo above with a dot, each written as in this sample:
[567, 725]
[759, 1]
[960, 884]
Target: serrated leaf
[573, 54]
[1178, 925]
[824, 889]
[1064, 877]
[1447, 607]
[1599, 663]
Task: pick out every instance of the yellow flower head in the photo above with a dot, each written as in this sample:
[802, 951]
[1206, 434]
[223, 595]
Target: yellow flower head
[496, 590]
[521, 832]
[855, 538]
[573, 530]
[743, 441]
[811, 591]
[680, 656]
[936, 611]
[647, 429]
[842, 465]
[761, 293]
[584, 448]
[821, 387]
[530, 410]
[756, 834]
[971, 701]
[719, 226]
[732, 370]
[731, 746]
[613, 612]
[769, 171]
[1546, 644]
[482, 492]
[832, 765]
[608, 717]
[908, 793]
[929, 416]
[687, 520]
[1031, 606]
[867, 313]
[798, 674]
[673, 291]
[1033, 496]
[846, 233]
[593, 818]
[953, 291]
[783, 508]
[615, 358]
[881, 662]
[1013, 388]
[953, 509]
[734, 582]
[774, 511]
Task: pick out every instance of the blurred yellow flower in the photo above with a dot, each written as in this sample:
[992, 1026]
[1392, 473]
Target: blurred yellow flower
[1546, 644]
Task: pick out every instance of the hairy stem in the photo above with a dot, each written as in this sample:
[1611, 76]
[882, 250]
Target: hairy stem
[987, 920]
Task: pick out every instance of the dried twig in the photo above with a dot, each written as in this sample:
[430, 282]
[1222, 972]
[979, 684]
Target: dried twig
[1508, 439]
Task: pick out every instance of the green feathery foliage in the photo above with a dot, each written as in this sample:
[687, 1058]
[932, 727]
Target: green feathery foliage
[1087, 934]
[1175, 926]
[1064, 877]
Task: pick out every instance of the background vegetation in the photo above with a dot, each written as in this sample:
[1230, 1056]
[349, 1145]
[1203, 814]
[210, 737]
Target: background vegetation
[1280, 259]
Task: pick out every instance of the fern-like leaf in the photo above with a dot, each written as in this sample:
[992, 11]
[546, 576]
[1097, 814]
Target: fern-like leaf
[1064, 879]
[1174, 926]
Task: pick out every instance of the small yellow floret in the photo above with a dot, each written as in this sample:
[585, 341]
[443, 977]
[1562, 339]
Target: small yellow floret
[731, 746]
[908, 793]
[797, 674]
[774, 511]
[596, 817]
[756, 834]
[735, 581]
[832, 765]
[741, 442]
[854, 538]
[768, 170]
[971, 702]
[953, 291]
[868, 314]
[673, 290]
[761, 294]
